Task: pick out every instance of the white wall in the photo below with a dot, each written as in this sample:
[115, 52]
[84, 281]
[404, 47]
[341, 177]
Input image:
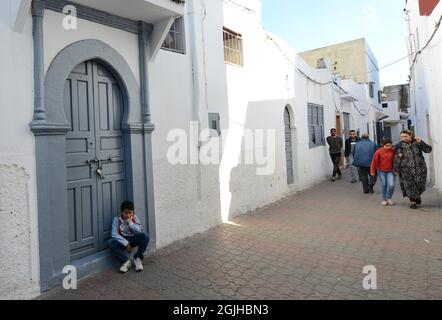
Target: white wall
[362, 110]
[56, 38]
[258, 93]
[426, 97]
[393, 115]
[19, 274]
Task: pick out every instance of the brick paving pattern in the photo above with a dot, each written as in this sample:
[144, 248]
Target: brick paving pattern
[313, 245]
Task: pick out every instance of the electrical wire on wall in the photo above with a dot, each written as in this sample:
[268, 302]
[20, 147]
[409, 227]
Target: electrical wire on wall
[424, 47]
[240, 6]
[354, 104]
[381, 68]
[339, 110]
[294, 64]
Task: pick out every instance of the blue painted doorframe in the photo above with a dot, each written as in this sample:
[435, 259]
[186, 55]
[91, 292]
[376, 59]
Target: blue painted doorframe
[50, 127]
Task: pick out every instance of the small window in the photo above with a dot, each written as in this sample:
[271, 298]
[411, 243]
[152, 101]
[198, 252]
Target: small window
[233, 50]
[380, 96]
[385, 105]
[316, 125]
[371, 89]
[175, 39]
[214, 125]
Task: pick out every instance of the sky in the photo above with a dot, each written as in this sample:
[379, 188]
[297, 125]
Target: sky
[310, 24]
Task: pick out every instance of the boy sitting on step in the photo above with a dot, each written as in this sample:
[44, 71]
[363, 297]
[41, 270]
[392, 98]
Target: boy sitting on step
[127, 234]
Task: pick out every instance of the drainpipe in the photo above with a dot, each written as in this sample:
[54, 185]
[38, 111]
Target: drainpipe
[197, 95]
[38, 7]
[148, 128]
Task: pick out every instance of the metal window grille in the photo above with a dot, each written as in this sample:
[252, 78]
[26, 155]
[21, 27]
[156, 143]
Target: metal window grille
[316, 125]
[214, 124]
[233, 47]
[371, 89]
[175, 38]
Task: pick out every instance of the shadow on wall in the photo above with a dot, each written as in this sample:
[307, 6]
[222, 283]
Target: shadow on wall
[253, 170]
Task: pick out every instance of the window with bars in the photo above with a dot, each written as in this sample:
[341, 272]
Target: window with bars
[175, 39]
[316, 125]
[371, 89]
[214, 124]
[233, 50]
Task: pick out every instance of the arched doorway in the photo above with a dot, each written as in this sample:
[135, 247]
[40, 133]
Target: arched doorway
[54, 150]
[96, 174]
[288, 146]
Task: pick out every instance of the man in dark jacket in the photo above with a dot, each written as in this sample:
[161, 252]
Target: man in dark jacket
[350, 144]
[336, 144]
[363, 154]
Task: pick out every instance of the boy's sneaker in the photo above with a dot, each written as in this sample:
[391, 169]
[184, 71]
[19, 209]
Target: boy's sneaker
[390, 202]
[126, 266]
[384, 203]
[138, 265]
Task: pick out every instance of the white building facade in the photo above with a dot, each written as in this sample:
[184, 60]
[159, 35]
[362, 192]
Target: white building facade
[423, 24]
[120, 88]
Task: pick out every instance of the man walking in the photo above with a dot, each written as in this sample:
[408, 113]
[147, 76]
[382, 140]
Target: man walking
[363, 153]
[350, 144]
[336, 144]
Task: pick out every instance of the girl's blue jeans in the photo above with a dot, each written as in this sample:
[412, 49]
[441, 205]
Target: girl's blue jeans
[387, 184]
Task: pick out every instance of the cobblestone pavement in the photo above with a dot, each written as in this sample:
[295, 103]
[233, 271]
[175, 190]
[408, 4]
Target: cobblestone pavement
[313, 245]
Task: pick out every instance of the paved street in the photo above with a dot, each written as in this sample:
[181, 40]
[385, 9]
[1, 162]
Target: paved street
[313, 245]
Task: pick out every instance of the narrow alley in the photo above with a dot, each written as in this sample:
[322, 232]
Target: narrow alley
[313, 245]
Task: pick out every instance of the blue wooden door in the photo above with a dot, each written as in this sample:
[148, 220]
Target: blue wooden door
[94, 106]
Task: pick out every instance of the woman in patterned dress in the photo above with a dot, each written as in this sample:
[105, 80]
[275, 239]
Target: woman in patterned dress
[410, 165]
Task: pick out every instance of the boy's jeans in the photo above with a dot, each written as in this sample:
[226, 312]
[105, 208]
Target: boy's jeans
[140, 240]
[387, 184]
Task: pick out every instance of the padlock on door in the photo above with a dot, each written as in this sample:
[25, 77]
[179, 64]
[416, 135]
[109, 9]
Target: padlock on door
[100, 173]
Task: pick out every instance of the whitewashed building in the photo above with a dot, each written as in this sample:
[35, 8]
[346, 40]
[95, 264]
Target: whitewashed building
[119, 86]
[425, 48]
[355, 63]
[396, 104]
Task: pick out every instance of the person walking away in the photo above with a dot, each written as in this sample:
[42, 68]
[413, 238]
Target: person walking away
[363, 154]
[411, 167]
[383, 164]
[349, 148]
[336, 144]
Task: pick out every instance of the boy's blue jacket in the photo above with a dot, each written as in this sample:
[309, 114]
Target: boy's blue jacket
[122, 231]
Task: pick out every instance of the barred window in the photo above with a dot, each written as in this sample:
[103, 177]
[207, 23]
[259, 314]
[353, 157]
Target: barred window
[232, 47]
[316, 125]
[371, 89]
[175, 39]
